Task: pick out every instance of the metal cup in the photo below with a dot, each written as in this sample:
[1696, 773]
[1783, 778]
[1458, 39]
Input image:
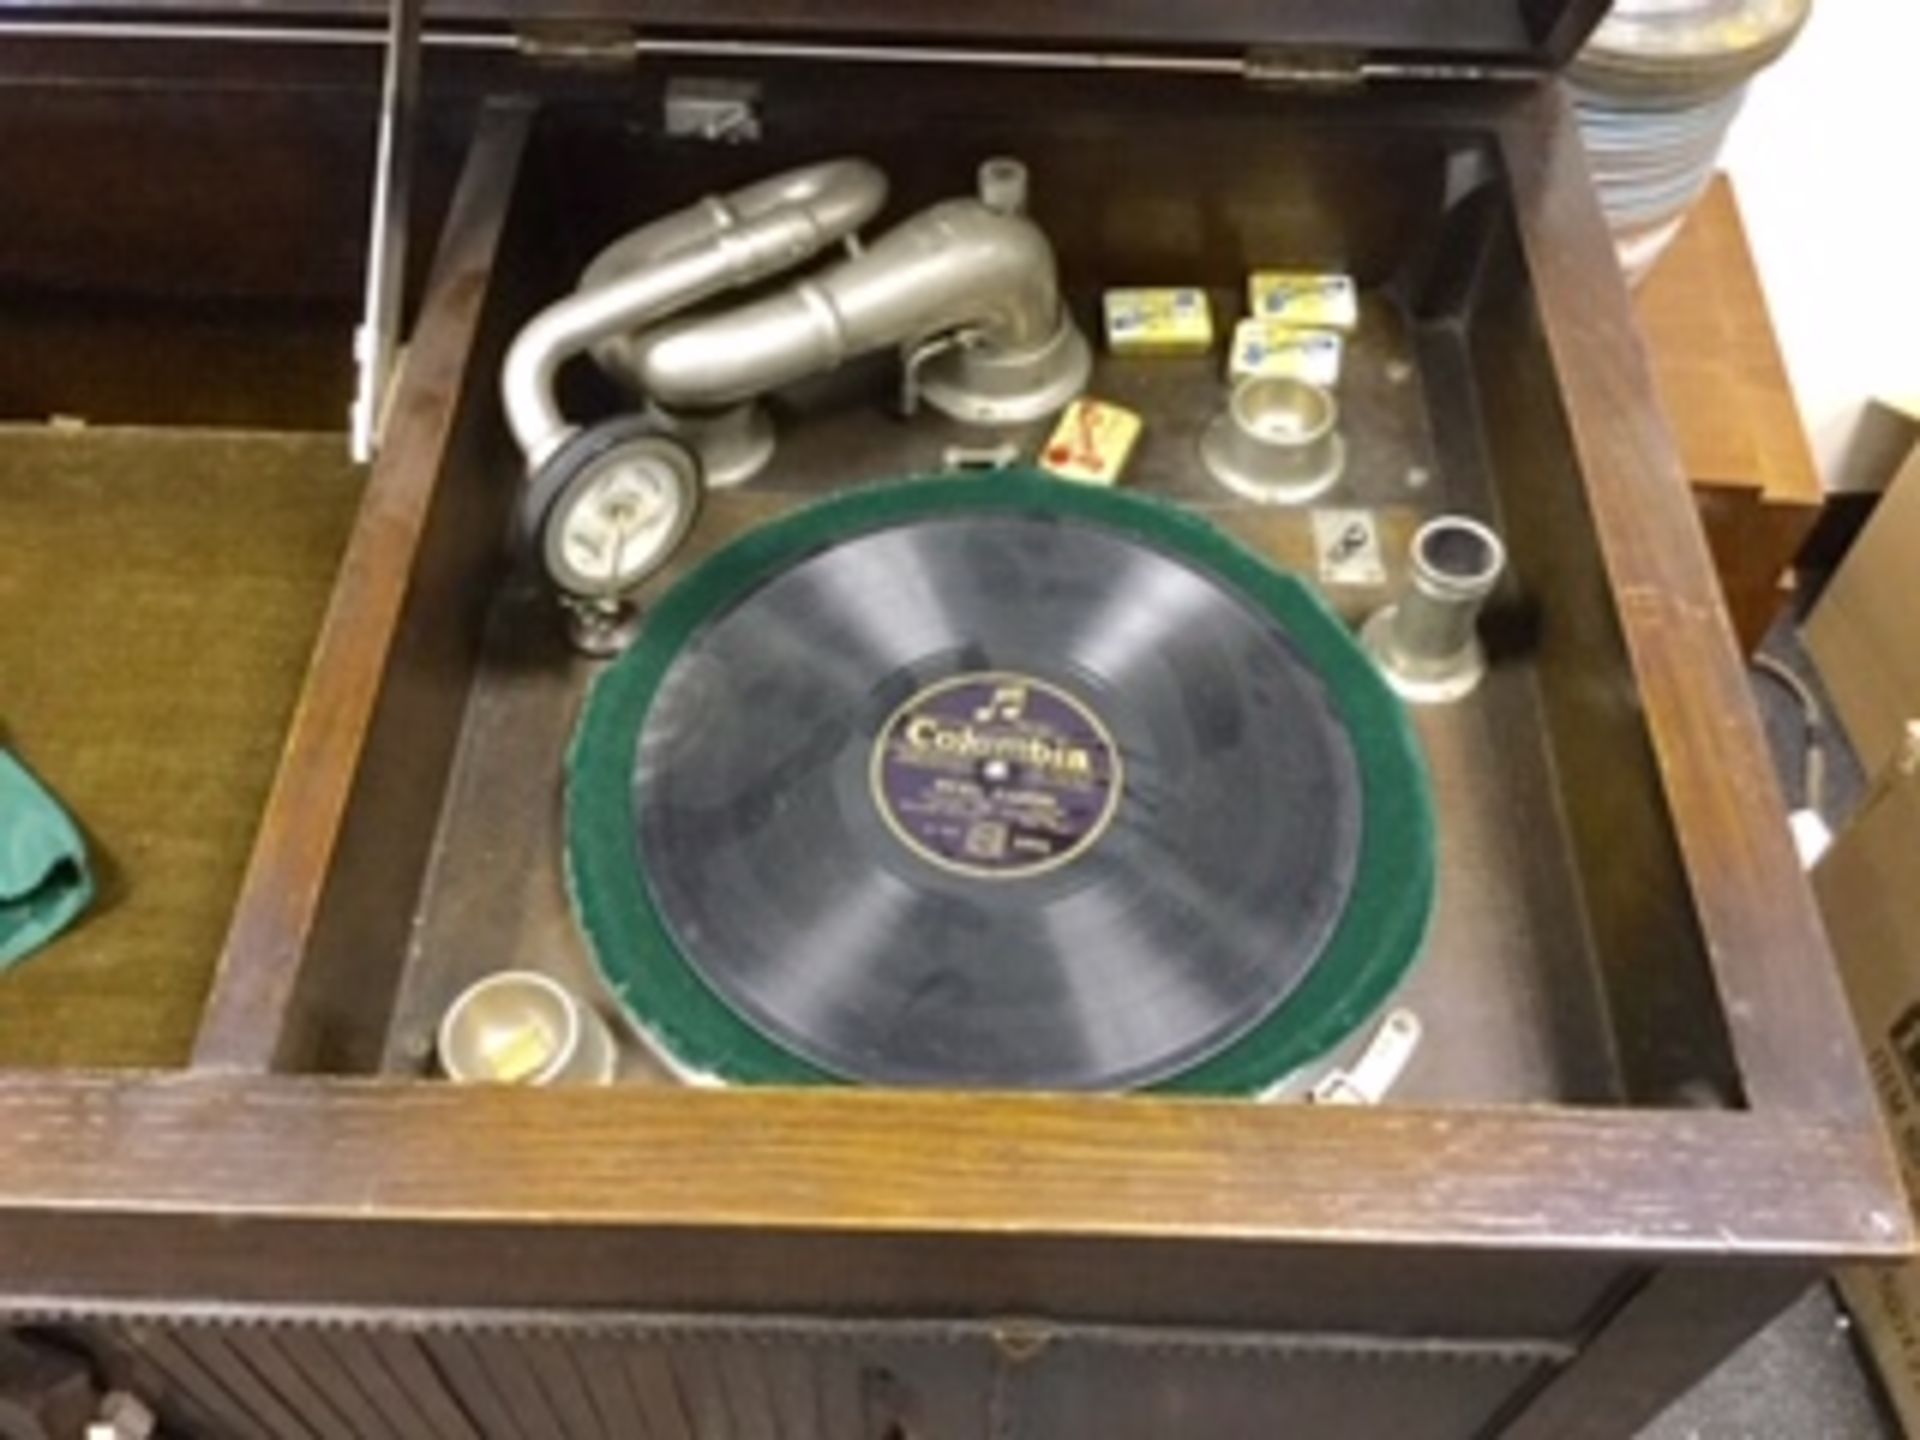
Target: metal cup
[1278, 441]
[519, 1027]
[1427, 643]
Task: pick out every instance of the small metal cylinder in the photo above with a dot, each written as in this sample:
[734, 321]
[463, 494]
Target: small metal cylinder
[1427, 642]
[1003, 185]
[1278, 441]
[1455, 563]
[519, 1027]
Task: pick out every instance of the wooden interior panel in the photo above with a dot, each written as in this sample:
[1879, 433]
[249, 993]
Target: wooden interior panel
[391, 669]
[1672, 1043]
[1768, 957]
[1134, 183]
[1132, 192]
[185, 246]
[224, 194]
[181, 257]
[1518, 33]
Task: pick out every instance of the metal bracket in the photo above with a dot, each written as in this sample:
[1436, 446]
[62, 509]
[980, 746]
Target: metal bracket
[722, 111]
[578, 45]
[376, 341]
[964, 459]
[1318, 70]
[915, 358]
[1372, 1075]
[1323, 71]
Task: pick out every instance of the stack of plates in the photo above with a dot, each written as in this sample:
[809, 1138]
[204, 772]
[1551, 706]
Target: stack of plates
[1656, 90]
[1650, 162]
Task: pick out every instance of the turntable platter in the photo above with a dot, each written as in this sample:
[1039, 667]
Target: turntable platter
[997, 782]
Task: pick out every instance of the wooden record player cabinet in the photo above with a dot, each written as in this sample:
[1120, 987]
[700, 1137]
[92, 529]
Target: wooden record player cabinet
[271, 1228]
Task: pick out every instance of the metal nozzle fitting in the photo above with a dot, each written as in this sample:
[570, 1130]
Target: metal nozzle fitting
[1003, 185]
[1426, 642]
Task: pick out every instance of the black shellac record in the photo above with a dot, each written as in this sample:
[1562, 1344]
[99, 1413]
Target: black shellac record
[996, 800]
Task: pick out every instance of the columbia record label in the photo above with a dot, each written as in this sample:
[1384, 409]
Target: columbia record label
[996, 775]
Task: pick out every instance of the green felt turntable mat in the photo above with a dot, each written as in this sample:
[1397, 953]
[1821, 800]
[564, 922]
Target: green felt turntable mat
[160, 591]
[1374, 941]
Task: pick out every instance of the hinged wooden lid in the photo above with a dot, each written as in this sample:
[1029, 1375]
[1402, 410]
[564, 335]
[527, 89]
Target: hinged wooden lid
[1419, 38]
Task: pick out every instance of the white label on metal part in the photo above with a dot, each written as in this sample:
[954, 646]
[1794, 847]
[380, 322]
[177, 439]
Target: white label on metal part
[1347, 546]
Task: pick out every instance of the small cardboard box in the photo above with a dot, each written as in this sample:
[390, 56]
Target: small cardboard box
[1862, 635]
[1871, 902]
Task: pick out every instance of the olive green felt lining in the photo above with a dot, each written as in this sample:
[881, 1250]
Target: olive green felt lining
[1373, 944]
[160, 591]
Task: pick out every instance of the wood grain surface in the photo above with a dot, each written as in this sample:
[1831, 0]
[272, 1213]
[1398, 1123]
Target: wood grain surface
[1515, 31]
[1556, 1179]
[1789, 1024]
[247, 1015]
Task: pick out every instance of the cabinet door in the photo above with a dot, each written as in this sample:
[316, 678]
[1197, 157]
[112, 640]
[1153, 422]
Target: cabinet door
[482, 1377]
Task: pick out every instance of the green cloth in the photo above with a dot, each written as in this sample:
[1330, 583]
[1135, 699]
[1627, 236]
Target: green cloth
[45, 881]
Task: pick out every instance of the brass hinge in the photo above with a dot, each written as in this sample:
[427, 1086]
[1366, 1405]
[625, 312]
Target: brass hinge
[583, 45]
[1318, 70]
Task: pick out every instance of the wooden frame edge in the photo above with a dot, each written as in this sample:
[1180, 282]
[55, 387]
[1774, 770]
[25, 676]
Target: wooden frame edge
[1792, 1034]
[281, 1149]
[247, 1010]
